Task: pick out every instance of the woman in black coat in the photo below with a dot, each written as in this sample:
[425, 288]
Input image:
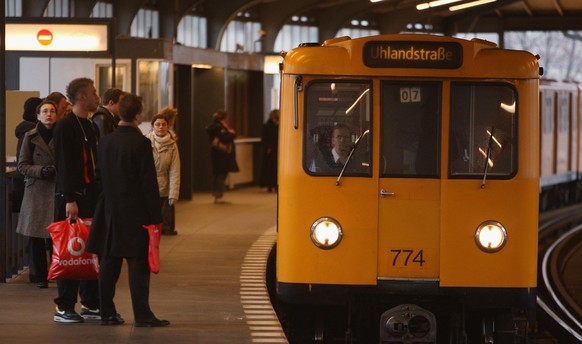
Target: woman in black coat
[270, 140]
[222, 153]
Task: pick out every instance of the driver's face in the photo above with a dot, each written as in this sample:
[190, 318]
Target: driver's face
[341, 140]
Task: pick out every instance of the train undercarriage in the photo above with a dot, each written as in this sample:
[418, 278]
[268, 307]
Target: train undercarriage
[489, 317]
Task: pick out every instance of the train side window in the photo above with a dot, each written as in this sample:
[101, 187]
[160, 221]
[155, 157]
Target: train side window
[337, 115]
[483, 130]
[410, 129]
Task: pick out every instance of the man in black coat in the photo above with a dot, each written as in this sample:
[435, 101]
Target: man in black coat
[130, 200]
[75, 139]
[107, 115]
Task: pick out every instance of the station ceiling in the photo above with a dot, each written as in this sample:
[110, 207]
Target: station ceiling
[393, 16]
[387, 16]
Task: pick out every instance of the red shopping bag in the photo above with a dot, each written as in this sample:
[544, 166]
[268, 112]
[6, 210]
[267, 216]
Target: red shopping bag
[154, 232]
[70, 260]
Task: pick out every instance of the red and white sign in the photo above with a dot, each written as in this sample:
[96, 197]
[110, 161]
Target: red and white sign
[56, 37]
[44, 37]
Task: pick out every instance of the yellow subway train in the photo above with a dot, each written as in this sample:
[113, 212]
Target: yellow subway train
[409, 179]
[560, 144]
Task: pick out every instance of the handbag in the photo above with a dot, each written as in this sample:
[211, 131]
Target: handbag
[154, 232]
[70, 259]
[221, 146]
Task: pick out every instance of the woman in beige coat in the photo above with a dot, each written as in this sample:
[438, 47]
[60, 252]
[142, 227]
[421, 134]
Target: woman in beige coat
[167, 160]
[37, 163]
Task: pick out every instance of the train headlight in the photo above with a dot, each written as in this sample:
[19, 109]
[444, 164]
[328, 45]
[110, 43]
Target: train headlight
[491, 236]
[326, 233]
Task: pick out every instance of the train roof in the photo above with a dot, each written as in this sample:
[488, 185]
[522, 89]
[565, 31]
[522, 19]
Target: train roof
[414, 55]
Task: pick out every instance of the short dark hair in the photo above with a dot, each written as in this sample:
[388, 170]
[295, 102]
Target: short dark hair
[76, 86]
[219, 115]
[112, 94]
[56, 97]
[129, 107]
[46, 101]
[158, 116]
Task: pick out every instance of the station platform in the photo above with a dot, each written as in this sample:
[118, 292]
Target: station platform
[210, 286]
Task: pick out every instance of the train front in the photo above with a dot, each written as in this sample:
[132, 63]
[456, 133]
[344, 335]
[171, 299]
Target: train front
[408, 190]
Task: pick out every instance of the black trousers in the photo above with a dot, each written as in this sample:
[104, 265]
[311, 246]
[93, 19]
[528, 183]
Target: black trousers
[88, 290]
[219, 184]
[138, 271]
[38, 264]
[168, 216]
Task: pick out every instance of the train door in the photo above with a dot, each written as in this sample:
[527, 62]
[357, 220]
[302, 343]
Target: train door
[547, 143]
[562, 132]
[409, 182]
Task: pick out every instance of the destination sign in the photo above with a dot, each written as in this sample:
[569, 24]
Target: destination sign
[407, 54]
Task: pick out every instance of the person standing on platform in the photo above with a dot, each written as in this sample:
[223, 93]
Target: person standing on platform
[107, 115]
[270, 140]
[28, 122]
[75, 138]
[37, 163]
[167, 160]
[62, 103]
[130, 201]
[171, 114]
[222, 153]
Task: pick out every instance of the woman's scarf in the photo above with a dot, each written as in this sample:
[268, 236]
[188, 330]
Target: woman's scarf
[44, 132]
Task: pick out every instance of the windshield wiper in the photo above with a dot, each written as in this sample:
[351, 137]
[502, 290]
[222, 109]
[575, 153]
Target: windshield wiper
[337, 182]
[486, 169]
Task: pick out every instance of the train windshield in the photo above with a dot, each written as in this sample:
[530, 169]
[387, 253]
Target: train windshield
[337, 114]
[410, 129]
[483, 131]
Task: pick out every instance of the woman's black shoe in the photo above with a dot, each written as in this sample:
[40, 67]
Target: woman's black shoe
[112, 320]
[153, 323]
[42, 285]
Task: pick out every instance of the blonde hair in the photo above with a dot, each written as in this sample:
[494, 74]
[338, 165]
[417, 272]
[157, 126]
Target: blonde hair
[169, 112]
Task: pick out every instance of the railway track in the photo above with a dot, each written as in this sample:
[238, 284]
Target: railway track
[560, 240]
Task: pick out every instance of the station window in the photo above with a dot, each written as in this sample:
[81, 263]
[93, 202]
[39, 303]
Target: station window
[60, 8]
[192, 31]
[410, 129]
[338, 128]
[13, 8]
[291, 36]
[242, 37]
[102, 10]
[146, 24]
[483, 131]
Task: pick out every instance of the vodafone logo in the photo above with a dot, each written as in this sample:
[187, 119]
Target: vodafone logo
[76, 246]
[44, 37]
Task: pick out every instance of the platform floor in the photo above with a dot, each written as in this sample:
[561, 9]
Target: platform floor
[210, 286]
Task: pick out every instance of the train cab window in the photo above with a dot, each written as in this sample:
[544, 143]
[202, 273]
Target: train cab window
[483, 132]
[410, 129]
[337, 128]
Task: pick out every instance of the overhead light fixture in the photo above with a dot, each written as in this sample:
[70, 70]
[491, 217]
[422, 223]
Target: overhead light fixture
[376, 0]
[202, 66]
[435, 3]
[470, 4]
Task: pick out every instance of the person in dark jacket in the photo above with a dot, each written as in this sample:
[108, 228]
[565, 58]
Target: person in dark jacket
[270, 141]
[75, 138]
[107, 115]
[222, 154]
[130, 200]
[28, 123]
[62, 104]
[37, 163]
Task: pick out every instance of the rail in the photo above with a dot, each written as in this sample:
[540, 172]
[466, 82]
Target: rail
[559, 238]
[13, 247]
